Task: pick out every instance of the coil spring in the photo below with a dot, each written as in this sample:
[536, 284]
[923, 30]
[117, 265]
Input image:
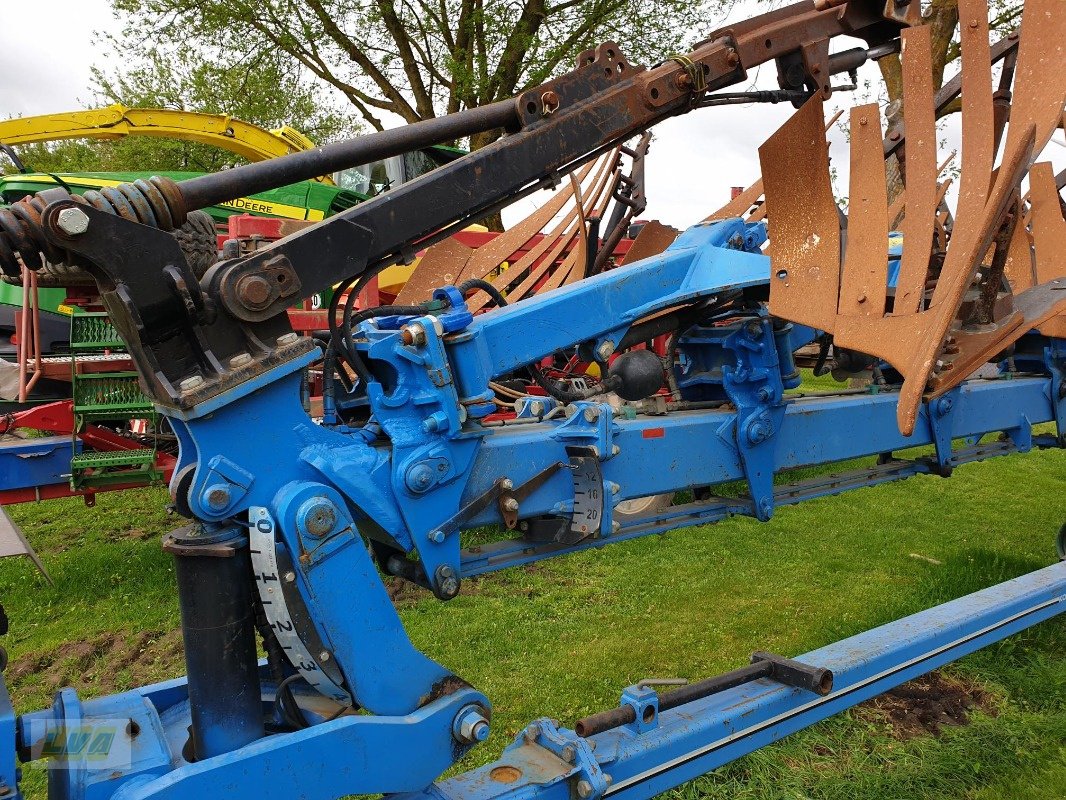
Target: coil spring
[156, 202]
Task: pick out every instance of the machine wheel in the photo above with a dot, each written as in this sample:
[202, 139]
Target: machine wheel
[1060, 542]
[196, 238]
[628, 509]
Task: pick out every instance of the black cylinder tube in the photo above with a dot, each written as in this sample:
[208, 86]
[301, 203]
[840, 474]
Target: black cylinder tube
[218, 625]
[219, 187]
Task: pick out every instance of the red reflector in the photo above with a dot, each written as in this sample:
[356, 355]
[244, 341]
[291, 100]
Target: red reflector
[653, 433]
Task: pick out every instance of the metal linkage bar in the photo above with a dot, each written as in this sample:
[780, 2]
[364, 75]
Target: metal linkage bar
[785, 671]
[667, 747]
[186, 355]
[818, 429]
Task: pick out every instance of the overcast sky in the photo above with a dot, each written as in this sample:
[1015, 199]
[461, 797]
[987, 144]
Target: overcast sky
[693, 160]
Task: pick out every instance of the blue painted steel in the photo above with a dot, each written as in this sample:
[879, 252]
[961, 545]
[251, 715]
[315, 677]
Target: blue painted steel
[640, 762]
[25, 463]
[402, 479]
[706, 260]
[8, 769]
[356, 754]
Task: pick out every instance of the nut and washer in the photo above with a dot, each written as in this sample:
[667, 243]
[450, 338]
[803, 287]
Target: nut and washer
[413, 335]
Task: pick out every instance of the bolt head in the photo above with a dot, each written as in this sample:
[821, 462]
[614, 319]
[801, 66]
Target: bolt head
[413, 335]
[290, 577]
[240, 360]
[507, 484]
[591, 415]
[218, 496]
[510, 504]
[549, 103]
[605, 350]
[190, 383]
[436, 536]
[584, 789]
[288, 338]
[254, 291]
[419, 477]
[72, 221]
[569, 753]
[320, 518]
[324, 655]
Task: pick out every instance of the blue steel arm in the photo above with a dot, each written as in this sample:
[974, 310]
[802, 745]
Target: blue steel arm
[403, 479]
[400, 479]
[706, 260]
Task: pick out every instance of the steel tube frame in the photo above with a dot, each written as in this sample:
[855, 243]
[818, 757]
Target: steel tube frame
[700, 736]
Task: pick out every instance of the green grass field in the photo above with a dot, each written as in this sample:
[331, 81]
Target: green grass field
[561, 638]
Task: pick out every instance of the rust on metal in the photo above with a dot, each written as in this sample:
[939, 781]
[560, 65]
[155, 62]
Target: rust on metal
[450, 261]
[805, 242]
[490, 256]
[653, 239]
[740, 205]
[559, 253]
[1049, 232]
[862, 287]
[441, 264]
[920, 181]
[952, 311]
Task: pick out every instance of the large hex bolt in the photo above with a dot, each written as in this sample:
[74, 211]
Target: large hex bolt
[217, 496]
[605, 350]
[419, 477]
[254, 292]
[470, 726]
[759, 431]
[72, 221]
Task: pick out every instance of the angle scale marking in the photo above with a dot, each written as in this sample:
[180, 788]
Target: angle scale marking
[268, 582]
[588, 496]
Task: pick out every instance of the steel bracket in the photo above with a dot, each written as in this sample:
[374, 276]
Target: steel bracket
[1055, 359]
[940, 412]
[754, 386]
[574, 760]
[591, 426]
[645, 703]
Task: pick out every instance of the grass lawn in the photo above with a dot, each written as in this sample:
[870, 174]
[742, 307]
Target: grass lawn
[561, 638]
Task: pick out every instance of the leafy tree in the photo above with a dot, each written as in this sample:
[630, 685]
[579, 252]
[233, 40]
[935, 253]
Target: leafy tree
[414, 59]
[263, 90]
